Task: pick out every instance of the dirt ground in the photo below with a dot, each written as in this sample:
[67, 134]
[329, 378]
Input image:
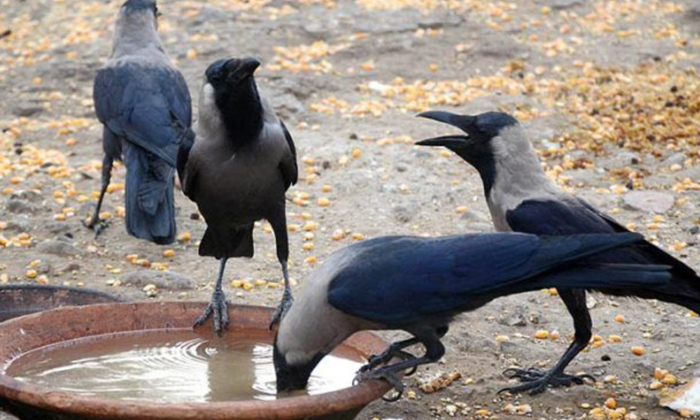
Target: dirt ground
[608, 90]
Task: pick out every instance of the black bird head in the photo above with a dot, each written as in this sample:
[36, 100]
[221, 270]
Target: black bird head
[141, 5]
[236, 97]
[232, 74]
[292, 377]
[477, 146]
[480, 130]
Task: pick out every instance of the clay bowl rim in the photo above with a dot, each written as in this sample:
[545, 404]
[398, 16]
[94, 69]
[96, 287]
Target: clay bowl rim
[48, 399]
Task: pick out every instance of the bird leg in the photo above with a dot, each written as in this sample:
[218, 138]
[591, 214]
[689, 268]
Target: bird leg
[394, 350]
[218, 307]
[95, 223]
[536, 380]
[434, 350]
[287, 298]
[390, 374]
[278, 221]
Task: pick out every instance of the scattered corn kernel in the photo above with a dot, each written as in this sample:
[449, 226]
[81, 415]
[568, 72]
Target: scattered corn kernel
[660, 373]
[655, 385]
[669, 380]
[324, 202]
[31, 274]
[185, 236]
[620, 318]
[169, 253]
[542, 334]
[637, 350]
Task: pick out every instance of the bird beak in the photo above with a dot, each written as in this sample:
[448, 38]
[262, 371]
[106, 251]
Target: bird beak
[292, 378]
[454, 142]
[451, 142]
[244, 69]
[460, 121]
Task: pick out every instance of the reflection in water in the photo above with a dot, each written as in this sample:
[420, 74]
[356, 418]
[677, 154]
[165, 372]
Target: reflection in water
[172, 366]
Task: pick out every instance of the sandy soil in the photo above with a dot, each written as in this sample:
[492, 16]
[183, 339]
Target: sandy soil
[607, 89]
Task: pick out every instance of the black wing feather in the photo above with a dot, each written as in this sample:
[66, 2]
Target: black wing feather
[549, 217]
[148, 106]
[288, 165]
[405, 279]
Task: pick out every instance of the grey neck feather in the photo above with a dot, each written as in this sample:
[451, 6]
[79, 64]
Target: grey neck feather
[136, 33]
[519, 174]
[312, 325]
[209, 126]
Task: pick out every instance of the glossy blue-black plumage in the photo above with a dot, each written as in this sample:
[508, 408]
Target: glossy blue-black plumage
[404, 280]
[575, 216]
[548, 217]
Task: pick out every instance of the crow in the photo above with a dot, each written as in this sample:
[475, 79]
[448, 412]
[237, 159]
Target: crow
[237, 171]
[144, 104]
[419, 284]
[522, 198]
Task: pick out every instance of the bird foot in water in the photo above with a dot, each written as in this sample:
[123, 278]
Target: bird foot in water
[281, 310]
[218, 307]
[537, 380]
[97, 225]
[387, 375]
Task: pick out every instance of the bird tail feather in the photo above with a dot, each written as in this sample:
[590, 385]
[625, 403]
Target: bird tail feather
[150, 204]
[227, 242]
[607, 276]
[646, 281]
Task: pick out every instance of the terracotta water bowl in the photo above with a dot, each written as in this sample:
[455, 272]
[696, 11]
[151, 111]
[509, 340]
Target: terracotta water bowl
[30, 402]
[22, 299]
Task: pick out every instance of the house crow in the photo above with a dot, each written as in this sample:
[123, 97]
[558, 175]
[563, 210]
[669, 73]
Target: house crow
[237, 171]
[522, 198]
[419, 284]
[143, 102]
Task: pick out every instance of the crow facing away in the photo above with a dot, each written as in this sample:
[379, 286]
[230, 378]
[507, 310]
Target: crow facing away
[144, 104]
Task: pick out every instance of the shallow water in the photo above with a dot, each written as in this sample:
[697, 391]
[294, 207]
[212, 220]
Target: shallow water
[173, 366]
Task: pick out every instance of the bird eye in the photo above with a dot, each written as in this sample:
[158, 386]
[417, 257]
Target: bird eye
[156, 12]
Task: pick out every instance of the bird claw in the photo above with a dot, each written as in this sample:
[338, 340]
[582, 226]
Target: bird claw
[281, 310]
[386, 375]
[537, 380]
[97, 225]
[218, 307]
[376, 360]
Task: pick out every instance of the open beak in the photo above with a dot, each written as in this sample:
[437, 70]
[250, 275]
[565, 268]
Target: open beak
[454, 142]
